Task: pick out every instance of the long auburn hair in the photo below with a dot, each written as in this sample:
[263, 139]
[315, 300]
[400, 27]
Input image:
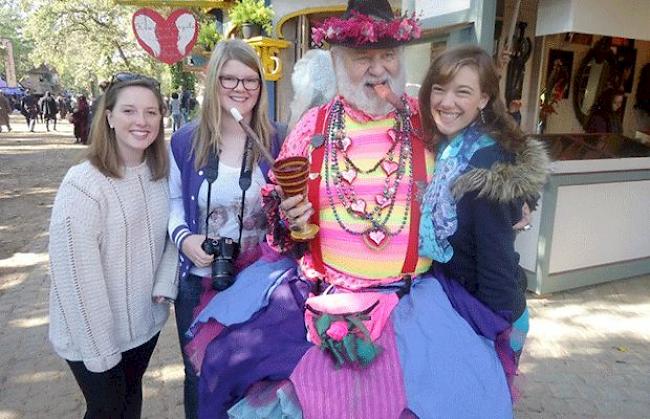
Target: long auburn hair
[208, 136]
[498, 124]
[103, 152]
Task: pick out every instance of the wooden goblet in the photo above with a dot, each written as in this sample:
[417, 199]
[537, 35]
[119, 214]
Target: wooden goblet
[292, 174]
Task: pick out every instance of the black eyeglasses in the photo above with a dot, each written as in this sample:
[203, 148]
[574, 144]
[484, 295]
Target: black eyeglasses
[125, 76]
[230, 83]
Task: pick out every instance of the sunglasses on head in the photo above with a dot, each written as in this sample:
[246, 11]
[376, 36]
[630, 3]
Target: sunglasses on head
[124, 76]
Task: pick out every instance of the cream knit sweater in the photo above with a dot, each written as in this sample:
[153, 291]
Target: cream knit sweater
[109, 255]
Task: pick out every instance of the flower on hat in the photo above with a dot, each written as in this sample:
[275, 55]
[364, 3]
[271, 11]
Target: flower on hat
[362, 30]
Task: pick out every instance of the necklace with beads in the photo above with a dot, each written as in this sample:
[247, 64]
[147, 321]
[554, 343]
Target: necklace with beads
[341, 173]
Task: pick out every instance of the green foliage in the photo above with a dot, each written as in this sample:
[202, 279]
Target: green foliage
[11, 28]
[87, 42]
[208, 36]
[252, 11]
[181, 79]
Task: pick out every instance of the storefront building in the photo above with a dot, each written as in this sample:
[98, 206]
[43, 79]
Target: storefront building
[593, 223]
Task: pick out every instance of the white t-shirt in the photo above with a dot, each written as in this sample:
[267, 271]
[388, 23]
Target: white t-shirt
[175, 106]
[225, 208]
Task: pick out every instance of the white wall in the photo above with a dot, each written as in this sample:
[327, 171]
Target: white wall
[599, 224]
[624, 18]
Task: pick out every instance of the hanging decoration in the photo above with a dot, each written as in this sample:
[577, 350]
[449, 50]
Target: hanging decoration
[168, 40]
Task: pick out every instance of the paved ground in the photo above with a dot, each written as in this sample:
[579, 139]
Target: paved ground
[588, 354]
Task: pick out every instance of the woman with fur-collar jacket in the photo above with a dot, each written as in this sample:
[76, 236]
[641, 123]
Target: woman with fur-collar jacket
[485, 171]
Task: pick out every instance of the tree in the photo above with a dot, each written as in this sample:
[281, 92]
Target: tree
[87, 41]
[11, 28]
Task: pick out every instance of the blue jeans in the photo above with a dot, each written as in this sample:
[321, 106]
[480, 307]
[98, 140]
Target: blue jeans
[176, 124]
[189, 291]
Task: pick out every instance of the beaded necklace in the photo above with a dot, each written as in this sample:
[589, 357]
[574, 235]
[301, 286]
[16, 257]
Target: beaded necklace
[339, 181]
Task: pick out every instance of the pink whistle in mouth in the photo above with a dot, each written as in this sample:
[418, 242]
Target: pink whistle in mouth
[389, 96]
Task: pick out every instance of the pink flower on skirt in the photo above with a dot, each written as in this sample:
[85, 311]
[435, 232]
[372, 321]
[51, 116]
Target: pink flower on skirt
[337, 330]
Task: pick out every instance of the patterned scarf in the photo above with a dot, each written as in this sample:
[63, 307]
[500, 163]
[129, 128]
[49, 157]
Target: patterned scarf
[439, 220]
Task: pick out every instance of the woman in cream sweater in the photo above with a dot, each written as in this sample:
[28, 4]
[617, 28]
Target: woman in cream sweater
[112, 269]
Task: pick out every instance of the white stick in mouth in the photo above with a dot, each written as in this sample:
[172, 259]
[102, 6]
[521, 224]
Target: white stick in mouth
[235, 114]
[251, 134]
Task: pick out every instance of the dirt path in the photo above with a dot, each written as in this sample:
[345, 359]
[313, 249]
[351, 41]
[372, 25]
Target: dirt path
[587, 355]
[31, 168]
[34, 382]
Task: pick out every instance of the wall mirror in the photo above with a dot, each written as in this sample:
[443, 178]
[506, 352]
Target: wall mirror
[595, 73]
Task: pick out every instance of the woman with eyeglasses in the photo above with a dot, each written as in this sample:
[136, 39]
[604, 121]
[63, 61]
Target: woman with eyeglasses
[215, 182]
[113, 270]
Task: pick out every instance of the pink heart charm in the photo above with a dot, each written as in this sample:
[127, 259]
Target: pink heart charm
[389, 167]
[375, 239]
[392, 134]
[345, 143]
[382, 201]
[349, 175]
[358, 206]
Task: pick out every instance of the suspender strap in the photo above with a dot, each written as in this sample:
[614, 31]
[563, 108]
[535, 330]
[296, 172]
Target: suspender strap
[317, 155]
[419, 175]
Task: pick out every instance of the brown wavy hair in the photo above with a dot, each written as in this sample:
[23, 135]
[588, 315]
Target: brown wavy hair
[103, 152]
[208, 135]
[498, 123]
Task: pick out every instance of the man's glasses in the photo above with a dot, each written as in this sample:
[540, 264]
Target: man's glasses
[230, 83]
[126, 76]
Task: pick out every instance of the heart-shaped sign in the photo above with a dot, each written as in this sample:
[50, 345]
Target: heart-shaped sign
[167, 40]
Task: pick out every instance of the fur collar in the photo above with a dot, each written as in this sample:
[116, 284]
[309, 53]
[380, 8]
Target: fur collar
[504, 182]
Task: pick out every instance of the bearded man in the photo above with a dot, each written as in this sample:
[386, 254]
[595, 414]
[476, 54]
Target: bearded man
[384, 338]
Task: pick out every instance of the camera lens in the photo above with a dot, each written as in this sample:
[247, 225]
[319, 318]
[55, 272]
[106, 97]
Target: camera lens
[226, 251]
[209, 246]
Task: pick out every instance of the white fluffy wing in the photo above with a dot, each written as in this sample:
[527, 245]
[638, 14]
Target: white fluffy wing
[146, 30]
[186, 25]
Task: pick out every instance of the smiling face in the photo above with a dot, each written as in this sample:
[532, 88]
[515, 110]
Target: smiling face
[455, 105]
[359, 70]
[136, 119]
[239, 96]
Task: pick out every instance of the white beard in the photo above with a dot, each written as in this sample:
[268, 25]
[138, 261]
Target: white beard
[358, 96]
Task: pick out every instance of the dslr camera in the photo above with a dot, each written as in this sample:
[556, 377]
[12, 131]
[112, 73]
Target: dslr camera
[225, 251]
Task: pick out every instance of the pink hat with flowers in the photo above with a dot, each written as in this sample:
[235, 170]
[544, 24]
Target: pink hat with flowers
[367, 24]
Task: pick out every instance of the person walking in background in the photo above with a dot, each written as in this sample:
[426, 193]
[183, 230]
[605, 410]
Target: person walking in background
[175, 110]
[112, 266]
[5, 111]
[79, 119]
[40, 108]
[605, 115]
[215, 182]
[63, 106]
[49, 109]
[97, 100]
[29, 109]
[186, 95]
